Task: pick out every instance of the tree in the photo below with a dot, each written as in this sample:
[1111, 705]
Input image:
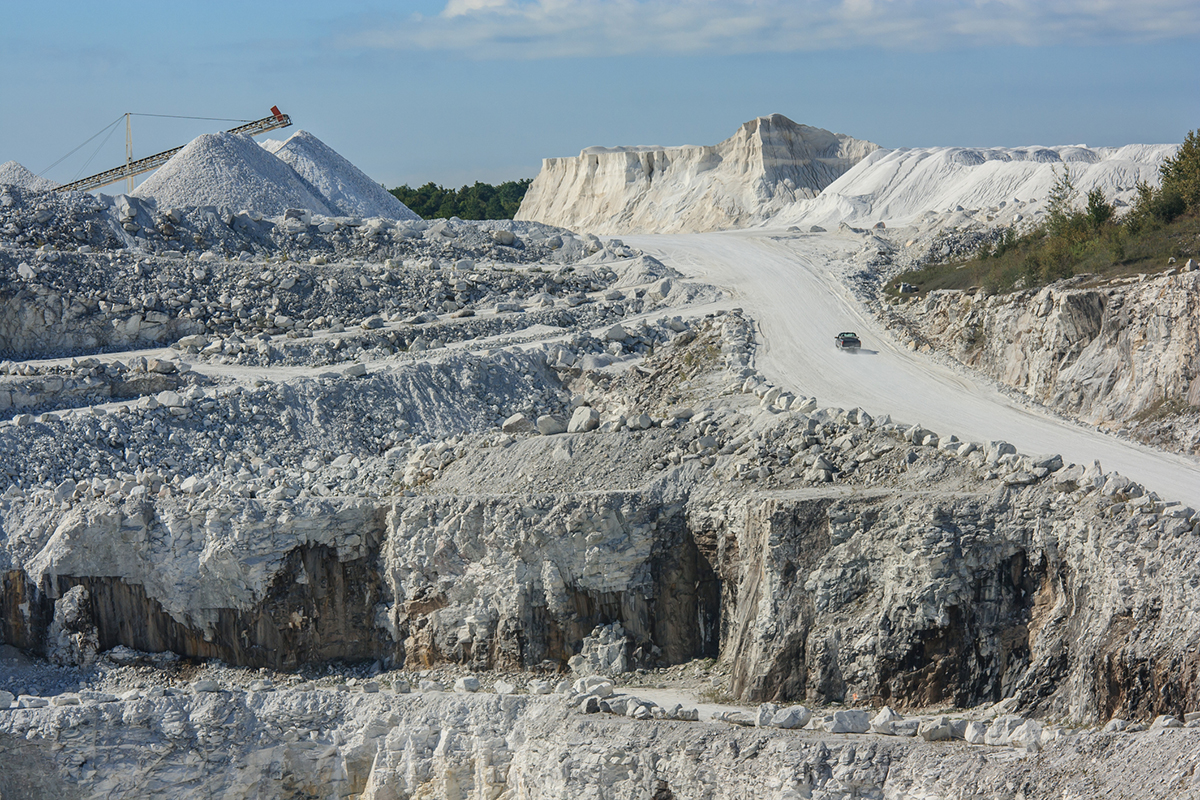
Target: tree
[1060, 208]
[479, 201]
[1099, 210]
[1181, 173]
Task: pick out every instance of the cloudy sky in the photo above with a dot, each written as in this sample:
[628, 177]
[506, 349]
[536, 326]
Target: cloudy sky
[460, 90]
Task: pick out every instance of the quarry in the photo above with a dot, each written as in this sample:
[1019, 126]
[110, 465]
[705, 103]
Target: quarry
[303, 496]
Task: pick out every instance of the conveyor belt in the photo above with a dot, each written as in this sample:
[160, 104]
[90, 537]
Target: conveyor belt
[273, 122]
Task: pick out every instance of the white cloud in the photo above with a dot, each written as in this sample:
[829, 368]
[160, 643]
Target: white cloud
[563, 28]
[459, 8]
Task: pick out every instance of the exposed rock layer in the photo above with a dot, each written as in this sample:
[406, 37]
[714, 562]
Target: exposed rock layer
[768, 164]
[1108, 355]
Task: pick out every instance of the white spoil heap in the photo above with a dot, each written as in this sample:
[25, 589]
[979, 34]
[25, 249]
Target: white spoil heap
[343, 186]
[230, 171]
[15, 174]
[769, 164]
[897, 187]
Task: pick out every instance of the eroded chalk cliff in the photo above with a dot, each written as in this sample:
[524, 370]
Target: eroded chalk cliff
[770, 163]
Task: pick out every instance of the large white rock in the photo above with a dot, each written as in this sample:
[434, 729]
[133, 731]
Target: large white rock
[975, 732]
[850, 721]
[936, 729]
[791, 718]
[584, 419]
[1028, 735]
[517, 423]
[769, 164]
[551, 424]
[1002, 728]
[884, 721]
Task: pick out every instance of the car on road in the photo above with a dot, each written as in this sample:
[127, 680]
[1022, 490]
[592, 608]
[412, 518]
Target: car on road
[847, 341]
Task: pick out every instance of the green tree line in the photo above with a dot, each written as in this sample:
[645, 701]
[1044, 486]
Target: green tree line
[480, 201]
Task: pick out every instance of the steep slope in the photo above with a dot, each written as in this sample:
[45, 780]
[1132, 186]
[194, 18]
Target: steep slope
[767, 165]
[899, 186]
[230, 171]
[343, 186]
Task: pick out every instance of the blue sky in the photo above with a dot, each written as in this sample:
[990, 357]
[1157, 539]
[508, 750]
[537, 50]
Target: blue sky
[462, 90]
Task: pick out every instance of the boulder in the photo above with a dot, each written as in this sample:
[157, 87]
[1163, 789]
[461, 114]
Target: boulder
[766, 712]
[204, 686]
[584, 419]
[974, 732]
[1164, 721]
[850, 721]
[616, 333]
[517, 423]
[639, 422]
[884, 721]
[936, 729]
[551, 424]
[6, 699]
[1028, 735]
[1002, 728]
[791, 718]
[169, 399]
[467, 684]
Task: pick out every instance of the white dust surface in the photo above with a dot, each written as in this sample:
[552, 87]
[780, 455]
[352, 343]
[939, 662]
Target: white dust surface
[15, 174]
[790, 287]
[230, 171]
[344, 187]
[898, 186]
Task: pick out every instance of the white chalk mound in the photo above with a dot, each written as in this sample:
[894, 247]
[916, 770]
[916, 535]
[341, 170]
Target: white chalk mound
[14, 174]
[769, 164]
[343, 186]
[897, 187]
[231, 171]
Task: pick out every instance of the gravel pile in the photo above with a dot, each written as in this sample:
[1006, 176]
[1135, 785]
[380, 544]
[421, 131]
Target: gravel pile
[16, 174]
[341, 185]
[232, 171]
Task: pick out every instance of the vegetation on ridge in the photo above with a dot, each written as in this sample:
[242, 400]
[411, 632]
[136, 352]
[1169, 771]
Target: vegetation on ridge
[481, 201]
[1089, 237]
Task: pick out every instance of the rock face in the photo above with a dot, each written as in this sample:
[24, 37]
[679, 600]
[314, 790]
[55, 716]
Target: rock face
[1118, 356]
[304, 743]
[770, 163]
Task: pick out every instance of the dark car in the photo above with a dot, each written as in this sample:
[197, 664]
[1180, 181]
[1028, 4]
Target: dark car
[847, 341]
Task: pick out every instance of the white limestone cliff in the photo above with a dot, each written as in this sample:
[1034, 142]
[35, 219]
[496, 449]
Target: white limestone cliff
[770, 163]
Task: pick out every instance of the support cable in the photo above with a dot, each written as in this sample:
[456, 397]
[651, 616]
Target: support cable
[77, 149]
